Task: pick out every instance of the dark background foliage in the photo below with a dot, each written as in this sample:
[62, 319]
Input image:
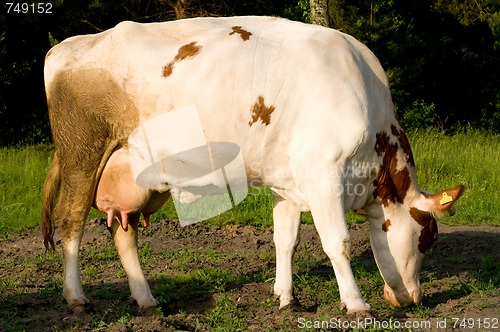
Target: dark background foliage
[441, 56]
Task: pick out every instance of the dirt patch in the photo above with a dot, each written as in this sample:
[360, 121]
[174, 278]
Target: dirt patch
[236, 267]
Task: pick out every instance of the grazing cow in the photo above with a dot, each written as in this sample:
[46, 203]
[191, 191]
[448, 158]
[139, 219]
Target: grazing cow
[309, 107]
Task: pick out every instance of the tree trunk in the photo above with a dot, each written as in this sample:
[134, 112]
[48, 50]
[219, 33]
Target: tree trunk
[319, 12]
[179, 7]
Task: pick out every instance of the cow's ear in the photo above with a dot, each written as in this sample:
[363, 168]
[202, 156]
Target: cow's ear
[444, 200]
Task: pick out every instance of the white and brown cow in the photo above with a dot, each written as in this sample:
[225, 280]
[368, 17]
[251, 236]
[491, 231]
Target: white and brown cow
[309, 107]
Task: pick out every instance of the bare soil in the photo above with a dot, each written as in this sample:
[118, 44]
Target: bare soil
[31, 282]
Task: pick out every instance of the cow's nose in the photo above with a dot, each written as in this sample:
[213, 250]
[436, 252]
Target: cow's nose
[402, 299]
[416, 296]
[390, 297]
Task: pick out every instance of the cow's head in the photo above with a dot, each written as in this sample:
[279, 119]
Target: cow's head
[402, 218]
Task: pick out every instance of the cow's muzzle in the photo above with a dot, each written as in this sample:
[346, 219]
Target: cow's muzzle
[403, 298]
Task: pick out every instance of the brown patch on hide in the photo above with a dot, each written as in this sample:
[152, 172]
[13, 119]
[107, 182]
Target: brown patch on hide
[90, 114]
[429, 233]
[392, 184]
[262, 112]
[346, 249]
[245, 35]
[404, 143]
[187, 51]
[385, 226]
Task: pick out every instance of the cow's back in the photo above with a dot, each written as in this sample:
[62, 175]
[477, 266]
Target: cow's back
[283, 91]
[237, 57]
[266, 84]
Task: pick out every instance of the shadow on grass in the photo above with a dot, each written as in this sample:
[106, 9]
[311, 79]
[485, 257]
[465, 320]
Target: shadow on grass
[45, 309]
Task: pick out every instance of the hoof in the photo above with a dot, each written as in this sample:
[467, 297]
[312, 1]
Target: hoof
[359, 314]
[275, 299]
[342, 306]
[148, 312]
[81, 309]
[294, 306]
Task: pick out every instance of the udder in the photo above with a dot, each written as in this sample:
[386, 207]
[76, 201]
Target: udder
[120, 197]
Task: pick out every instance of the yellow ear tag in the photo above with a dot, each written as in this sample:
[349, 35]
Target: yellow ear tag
[445, 199]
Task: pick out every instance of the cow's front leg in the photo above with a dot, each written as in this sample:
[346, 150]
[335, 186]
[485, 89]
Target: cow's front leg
[329, 219]
[286, 229]
[126, 245]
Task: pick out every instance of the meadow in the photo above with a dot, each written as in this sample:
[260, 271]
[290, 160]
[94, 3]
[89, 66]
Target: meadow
[217, 275]
[470, 158]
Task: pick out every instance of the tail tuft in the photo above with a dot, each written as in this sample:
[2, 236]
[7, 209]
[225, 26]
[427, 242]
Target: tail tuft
[49, 196]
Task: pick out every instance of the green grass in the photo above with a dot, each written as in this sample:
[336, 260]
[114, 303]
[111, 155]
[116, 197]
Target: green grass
[226, 316]
[469, 158]
[22, 173]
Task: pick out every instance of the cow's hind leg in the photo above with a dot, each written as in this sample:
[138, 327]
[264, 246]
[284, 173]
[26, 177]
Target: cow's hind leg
[286, 238]
[90, 115]
[126, 245]
[78, 185]
[329, 218]
[73, 207]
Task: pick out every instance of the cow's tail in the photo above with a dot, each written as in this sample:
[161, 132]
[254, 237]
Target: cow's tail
[49, 196]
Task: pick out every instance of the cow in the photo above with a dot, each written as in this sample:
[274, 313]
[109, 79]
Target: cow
[309, 107]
